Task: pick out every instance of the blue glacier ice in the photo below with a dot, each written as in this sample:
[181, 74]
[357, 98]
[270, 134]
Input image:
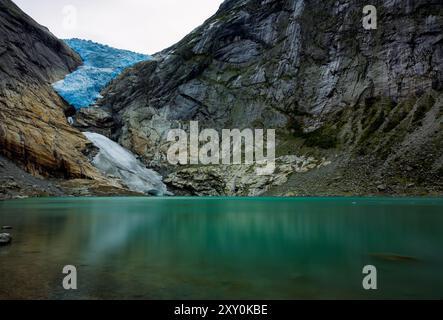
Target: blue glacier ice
[101, 64]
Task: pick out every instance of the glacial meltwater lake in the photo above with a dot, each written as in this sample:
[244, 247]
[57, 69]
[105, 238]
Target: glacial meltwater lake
[222, 248]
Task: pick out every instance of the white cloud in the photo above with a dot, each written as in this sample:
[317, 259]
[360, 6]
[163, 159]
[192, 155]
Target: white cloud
[145, 26]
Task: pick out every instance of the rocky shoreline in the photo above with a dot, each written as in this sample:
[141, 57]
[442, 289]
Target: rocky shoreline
[330, 180]
[15, 183]
[5, 238]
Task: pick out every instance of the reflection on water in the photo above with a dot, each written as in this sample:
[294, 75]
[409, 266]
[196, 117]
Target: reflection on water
[177, 248]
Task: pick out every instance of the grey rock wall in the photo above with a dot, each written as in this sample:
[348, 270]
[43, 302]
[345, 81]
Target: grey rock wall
[309, 70]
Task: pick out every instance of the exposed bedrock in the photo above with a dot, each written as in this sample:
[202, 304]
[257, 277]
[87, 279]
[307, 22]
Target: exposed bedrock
[369, 100]
[33, 128]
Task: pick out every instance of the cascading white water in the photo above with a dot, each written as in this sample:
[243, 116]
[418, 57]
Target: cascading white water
[114, 160]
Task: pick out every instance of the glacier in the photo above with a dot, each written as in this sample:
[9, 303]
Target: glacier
[101, 64]
[114, 160]
[82, 88]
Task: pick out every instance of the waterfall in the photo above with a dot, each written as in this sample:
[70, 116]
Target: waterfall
[116, 161]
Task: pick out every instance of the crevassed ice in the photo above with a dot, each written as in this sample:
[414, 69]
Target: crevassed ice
[101, 64]
[114, 160]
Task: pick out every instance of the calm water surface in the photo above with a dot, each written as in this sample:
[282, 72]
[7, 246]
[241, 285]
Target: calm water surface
[222, 248]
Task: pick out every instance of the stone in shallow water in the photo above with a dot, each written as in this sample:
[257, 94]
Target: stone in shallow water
[5, 239]
[393, 257]
[6, 228]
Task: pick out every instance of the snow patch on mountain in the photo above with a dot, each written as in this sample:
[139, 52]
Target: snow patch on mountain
[114, 160]
[102, 63]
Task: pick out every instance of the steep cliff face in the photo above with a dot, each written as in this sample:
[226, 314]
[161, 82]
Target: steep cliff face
[310, 70]
[33, 128]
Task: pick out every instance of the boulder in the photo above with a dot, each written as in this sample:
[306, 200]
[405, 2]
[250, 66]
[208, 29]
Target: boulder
[5, 239]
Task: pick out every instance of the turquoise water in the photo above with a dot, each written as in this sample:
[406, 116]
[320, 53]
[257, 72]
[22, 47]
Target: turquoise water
[217, 248]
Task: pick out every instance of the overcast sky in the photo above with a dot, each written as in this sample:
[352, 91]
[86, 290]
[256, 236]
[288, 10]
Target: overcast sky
[144, 26]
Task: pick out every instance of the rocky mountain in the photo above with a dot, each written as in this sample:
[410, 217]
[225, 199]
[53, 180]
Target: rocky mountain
[356, 111]
[364, 105]
[34, 132]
